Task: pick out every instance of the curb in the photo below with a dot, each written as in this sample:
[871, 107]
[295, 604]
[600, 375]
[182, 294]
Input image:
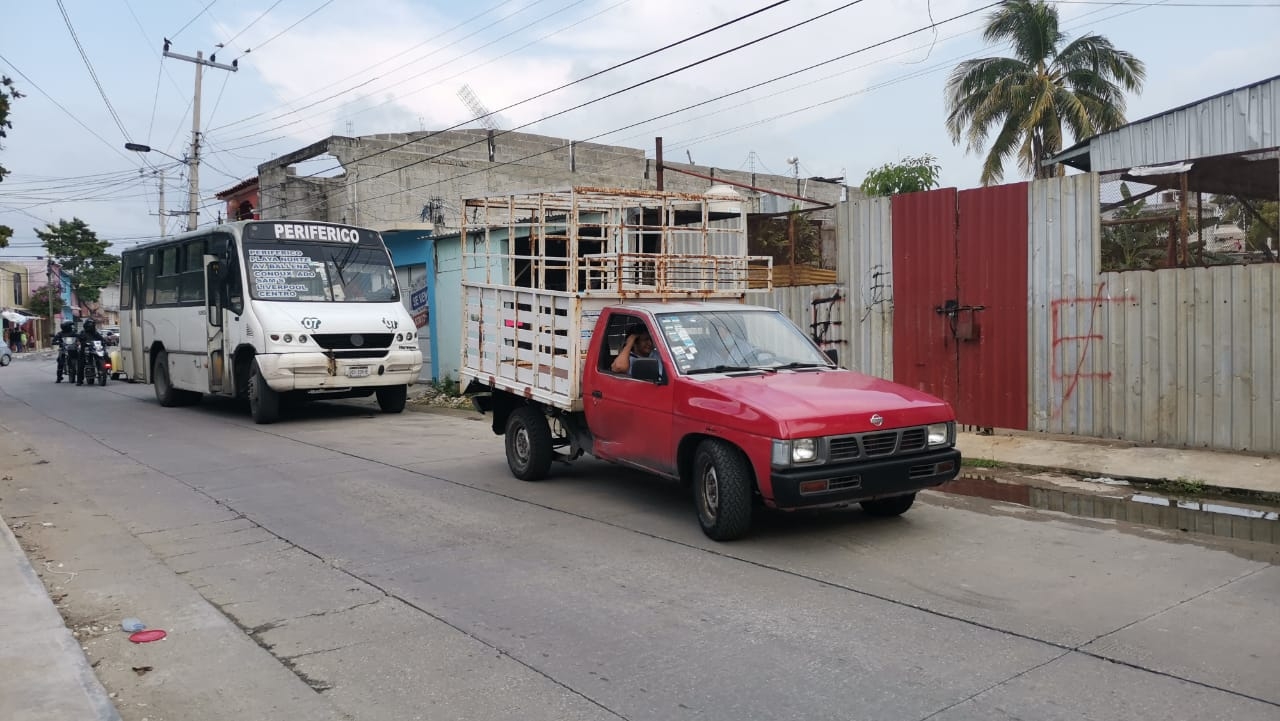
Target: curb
[75, 673]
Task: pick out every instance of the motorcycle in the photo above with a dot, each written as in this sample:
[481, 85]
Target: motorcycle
[68, 358]
[94, 363]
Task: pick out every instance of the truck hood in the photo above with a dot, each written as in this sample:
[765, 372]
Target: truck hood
[289, 317]
[816, 403]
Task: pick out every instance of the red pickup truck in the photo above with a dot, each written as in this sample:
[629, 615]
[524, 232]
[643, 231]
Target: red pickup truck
[736, 402]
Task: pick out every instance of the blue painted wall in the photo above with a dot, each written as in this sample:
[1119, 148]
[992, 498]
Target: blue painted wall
[444, 284]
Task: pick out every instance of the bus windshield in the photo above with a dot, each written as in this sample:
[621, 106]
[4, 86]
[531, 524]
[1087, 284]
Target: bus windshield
[320, 272]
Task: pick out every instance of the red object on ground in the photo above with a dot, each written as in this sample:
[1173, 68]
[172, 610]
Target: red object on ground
[148, 636]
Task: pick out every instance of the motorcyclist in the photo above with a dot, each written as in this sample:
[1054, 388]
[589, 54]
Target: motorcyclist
[64, 361]
[88, 334]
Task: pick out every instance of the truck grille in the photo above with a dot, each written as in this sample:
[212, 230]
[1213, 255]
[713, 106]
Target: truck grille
[879, 444]
[352, 341]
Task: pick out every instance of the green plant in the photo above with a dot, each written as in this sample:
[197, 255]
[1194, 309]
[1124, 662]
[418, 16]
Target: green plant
[1186, 486]
[912, 175]
[980, 463]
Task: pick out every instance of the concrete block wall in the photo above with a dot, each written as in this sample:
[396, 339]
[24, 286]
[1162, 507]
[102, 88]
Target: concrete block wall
[395, 184]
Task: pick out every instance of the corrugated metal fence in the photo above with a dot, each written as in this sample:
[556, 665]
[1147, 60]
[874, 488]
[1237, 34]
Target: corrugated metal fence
[1173, 357]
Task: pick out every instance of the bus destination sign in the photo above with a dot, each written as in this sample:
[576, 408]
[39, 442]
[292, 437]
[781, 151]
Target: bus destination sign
[309, 232]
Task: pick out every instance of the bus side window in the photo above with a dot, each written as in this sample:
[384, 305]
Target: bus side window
[191, 279]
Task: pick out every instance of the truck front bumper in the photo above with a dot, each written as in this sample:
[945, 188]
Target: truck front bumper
[863, 481]
[316, 371]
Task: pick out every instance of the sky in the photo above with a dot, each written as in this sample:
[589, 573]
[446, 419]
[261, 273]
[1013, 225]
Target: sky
[307, 69]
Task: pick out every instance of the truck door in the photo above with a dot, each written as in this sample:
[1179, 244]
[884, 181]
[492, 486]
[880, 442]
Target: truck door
[630, 419]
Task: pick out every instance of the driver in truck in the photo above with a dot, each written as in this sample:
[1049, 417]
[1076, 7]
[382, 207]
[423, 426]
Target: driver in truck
[639, 345]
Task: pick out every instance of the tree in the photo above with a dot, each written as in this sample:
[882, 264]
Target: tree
[39, 300]
[77, 249]
[1027, 99]
[912, 175]
[7, 93]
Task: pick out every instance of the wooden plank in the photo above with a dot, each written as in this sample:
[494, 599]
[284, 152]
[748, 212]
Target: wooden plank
[1224, 345]
[1170, 410]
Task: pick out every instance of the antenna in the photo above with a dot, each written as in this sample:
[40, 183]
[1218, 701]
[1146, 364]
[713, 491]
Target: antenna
[351, 129]
[487, 119]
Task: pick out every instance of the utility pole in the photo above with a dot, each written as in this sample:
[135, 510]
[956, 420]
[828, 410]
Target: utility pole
[163, 218]
[193, 189]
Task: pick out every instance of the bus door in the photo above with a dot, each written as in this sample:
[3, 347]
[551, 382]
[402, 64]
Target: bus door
[214, 288]
[137, 350]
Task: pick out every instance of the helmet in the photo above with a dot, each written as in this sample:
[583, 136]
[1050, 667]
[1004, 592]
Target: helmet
[68, 326]
[89, 326]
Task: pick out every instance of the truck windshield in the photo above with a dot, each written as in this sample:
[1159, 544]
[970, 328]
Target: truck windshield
[704, 341]
[320, 273]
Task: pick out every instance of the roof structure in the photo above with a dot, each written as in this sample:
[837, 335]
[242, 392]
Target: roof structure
[1227, 144]
[247, 183]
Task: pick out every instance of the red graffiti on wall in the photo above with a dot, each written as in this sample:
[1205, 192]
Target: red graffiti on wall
[1071, 377]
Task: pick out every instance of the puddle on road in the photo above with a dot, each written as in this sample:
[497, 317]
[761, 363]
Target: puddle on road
[1237, 522]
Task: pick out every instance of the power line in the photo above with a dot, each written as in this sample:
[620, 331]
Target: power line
[401, 66]
[252, 23]
[69, 114]
[448, 62]
[84, 56]
[282, 32]
[203, 10]
[606, 70]
[489, 168]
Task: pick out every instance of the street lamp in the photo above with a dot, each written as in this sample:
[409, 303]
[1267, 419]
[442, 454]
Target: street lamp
[140, 148]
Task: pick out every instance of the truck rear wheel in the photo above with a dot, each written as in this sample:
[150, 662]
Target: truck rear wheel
[528, 440]
[888, 507]
[722, 489]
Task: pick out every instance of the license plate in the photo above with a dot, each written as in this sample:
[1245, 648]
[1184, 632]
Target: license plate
[358, 372]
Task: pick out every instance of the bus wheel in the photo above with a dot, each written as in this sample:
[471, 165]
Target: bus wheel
[166, 394]
[392, 398]
[264, 403]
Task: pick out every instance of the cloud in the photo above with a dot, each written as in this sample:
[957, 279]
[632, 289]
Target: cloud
[607, 32]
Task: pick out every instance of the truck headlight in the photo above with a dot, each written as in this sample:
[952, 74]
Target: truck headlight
[804, 450]
[940, 434]
[797, 452]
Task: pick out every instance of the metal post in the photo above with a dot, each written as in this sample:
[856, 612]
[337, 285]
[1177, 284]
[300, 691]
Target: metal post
[193, 189]
[163, 218]
[659, 154]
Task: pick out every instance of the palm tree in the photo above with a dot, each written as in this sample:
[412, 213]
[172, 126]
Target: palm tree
[1029, 97]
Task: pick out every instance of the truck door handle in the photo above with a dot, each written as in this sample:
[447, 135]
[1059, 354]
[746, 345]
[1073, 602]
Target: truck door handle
[597, 394]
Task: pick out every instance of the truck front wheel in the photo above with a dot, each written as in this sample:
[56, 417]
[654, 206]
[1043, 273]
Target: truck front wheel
[722, 489]
[889, 507]
[529, 450]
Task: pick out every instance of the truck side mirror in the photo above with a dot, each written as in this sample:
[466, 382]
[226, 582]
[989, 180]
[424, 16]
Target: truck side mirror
[833, 354]
[647, 369]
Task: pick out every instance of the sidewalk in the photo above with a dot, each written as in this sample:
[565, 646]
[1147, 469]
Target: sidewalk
[46, 674]
[1126, 461]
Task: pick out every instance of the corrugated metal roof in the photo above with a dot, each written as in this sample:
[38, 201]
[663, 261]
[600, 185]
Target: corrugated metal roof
[1234, 121]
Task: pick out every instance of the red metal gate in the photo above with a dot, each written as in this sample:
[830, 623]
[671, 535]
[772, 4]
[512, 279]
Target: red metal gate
[959, 297]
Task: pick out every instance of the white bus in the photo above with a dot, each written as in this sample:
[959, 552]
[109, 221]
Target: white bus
[321, 317]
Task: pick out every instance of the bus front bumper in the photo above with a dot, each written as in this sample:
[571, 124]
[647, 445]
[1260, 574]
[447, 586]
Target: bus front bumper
[315, 371]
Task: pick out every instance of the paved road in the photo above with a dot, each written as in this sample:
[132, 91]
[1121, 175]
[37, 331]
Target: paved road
[345, 564]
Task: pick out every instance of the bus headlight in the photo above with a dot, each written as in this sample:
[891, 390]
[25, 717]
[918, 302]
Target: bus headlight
[302, 339]
[400, 336]
[940, 434]
[288, 337]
